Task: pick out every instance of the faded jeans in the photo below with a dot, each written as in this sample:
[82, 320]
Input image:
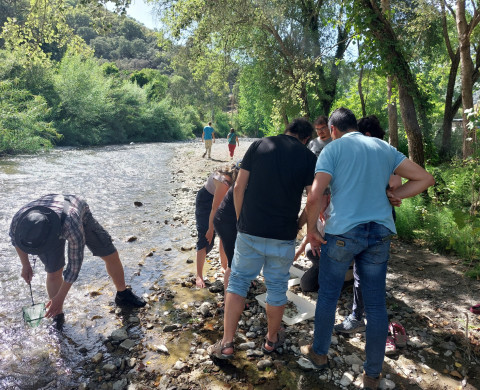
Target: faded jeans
[369, 244]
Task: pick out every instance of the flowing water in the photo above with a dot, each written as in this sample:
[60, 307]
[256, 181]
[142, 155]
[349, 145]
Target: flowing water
[111, 179]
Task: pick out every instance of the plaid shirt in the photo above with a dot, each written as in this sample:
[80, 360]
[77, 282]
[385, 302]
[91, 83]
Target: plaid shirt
[72, 229]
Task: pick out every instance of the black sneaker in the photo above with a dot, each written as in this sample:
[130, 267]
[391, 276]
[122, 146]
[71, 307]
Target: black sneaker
[128, 298]
[58, 321]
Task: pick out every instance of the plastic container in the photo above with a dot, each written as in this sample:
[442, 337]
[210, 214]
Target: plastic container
[306, 309]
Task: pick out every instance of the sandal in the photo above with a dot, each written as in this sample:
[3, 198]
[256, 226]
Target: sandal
[399, 334]
[390, 347]
[216, 350]
[281, 339]
[475, 309]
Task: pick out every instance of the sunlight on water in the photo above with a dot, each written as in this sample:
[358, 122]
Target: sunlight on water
[111, 179]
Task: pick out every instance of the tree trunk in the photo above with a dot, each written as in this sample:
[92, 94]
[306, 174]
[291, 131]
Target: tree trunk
[396, 65]
[449, 110]
[392, 114]
[409, 118]
[360, 92]
[466, 65]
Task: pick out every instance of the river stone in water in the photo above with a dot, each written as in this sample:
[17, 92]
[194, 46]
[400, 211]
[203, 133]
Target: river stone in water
[120, 385]
[128, 344]
[97, 358]
[205, 309]
[119, 334]
[110, 368]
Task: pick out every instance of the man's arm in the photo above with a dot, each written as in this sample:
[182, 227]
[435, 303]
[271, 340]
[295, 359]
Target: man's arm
[213, 136]
[55, 304]
[314, 207]
[418, 180]
[203, 134]
[239, 190]
[27, 272]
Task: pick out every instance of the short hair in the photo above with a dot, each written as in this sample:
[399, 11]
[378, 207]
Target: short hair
[209, 123]
[321, 120]
[371, 124]
[343, 119]
[232, 130]
[301, 127]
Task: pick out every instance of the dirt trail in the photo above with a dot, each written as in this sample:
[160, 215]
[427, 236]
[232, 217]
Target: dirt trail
[428, 293]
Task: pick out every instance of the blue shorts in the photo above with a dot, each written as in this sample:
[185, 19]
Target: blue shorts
[251, 254]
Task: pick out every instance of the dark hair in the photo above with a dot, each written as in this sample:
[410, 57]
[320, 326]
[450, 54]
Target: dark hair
[343, 119]
[371, 124]
[209, 123]
[232, 130]
[301, 127]
[321, 120]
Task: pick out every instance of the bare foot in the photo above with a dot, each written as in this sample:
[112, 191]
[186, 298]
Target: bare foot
[199, 282]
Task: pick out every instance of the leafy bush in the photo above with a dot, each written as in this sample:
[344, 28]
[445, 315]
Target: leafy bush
[23, 125]
[222, 124]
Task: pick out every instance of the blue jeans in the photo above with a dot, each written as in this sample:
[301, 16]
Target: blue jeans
[251, 254]
[369, 244]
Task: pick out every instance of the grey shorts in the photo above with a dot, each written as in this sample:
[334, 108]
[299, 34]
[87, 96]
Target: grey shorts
[97, 240]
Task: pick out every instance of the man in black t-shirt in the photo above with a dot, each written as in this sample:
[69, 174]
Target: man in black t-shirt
[267, 194]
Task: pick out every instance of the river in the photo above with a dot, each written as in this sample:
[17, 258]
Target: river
[111, 178]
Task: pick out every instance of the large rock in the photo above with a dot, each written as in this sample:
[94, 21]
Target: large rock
[127, 344]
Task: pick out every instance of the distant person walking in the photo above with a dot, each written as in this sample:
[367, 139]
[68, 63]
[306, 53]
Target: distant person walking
[208, 136]
[232, 142]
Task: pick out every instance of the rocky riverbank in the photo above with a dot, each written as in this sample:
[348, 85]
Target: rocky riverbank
[164, 345]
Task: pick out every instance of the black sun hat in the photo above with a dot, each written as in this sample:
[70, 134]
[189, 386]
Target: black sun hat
[38, 230]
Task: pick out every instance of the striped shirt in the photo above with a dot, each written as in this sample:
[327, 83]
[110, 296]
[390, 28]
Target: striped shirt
[72, 229]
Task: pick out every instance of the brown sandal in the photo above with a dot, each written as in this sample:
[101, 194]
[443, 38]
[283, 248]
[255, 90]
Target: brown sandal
[216, 350]
[281, 339]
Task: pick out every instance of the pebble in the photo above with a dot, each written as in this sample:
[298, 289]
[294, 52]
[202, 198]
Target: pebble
[305, 364]
[97, 358]
[386, 384]
[263, 364]
[245, 346]
[347, 379]
[109, 368]
[120, 385]
[179, 365]
[353, 359]
[170, 328]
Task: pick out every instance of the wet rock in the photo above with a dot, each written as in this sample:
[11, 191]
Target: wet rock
[97, 358]
[205, 308]
[119, 334]
[133, 320]
[161, 348]
[137, 204]
[132, 362]
[263, 364]
[179, 365]
[131, 239]
[109, 368]
[216, 287]
[171, 327]
[120, 385]
[128, 344]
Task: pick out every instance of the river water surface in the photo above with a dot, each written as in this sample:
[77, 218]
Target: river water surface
[111, 179]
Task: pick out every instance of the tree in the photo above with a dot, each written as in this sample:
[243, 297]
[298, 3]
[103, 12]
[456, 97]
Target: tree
[384, 39]
[465, 30]
[304, 42]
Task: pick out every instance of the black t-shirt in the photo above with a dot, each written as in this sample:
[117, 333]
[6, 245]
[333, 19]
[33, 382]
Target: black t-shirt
[280, 168]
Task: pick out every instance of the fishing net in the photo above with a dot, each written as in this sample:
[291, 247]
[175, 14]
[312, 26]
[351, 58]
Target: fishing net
[33, 314]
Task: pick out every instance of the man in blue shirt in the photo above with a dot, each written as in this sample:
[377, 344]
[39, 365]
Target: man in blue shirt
[208, 136]
[360, 226]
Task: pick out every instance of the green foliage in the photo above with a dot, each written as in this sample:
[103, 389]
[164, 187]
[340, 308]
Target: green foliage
[23, 121]
[223, 124]
[449, 221]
